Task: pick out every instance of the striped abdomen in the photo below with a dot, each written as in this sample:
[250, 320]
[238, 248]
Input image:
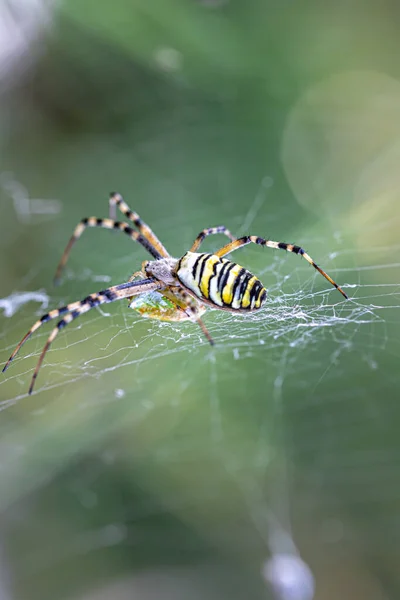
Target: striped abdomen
[221, 282]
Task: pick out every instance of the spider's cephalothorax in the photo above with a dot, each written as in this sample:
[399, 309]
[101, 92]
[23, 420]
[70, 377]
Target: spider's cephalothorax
[166, 288]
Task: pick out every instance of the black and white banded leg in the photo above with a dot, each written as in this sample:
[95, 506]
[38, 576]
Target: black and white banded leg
[253, 239]
[105, 224]
[210, 231]
[116, 200]
[75, 309]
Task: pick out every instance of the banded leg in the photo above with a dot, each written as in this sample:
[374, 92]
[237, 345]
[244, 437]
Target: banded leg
[116, 200]
[243, 241]
[210, 231]
[75, 309]
[105, 224]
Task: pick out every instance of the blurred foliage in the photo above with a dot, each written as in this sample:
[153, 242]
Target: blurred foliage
[186, 108]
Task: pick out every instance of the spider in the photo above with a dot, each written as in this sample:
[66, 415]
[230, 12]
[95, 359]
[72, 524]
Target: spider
[166, 288]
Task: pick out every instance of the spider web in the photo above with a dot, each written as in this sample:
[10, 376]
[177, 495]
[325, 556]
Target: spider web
[111, 372]
[298, 314]
[265, 465]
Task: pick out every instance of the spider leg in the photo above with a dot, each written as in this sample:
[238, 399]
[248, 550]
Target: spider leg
[243, 241]
[75, 309]
[105, 224]
[193, 314]
[205, 331]
[117, 200]
[137, 274]
[210, 231]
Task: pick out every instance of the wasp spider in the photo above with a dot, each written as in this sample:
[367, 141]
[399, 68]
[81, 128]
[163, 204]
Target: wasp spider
[167, 288]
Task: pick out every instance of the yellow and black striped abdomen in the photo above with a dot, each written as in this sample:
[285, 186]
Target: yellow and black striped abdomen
[220, 282]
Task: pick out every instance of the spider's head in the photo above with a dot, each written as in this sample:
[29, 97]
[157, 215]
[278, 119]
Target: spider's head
[162, 269]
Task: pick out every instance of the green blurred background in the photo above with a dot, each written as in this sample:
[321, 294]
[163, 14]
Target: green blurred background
[147, 465]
